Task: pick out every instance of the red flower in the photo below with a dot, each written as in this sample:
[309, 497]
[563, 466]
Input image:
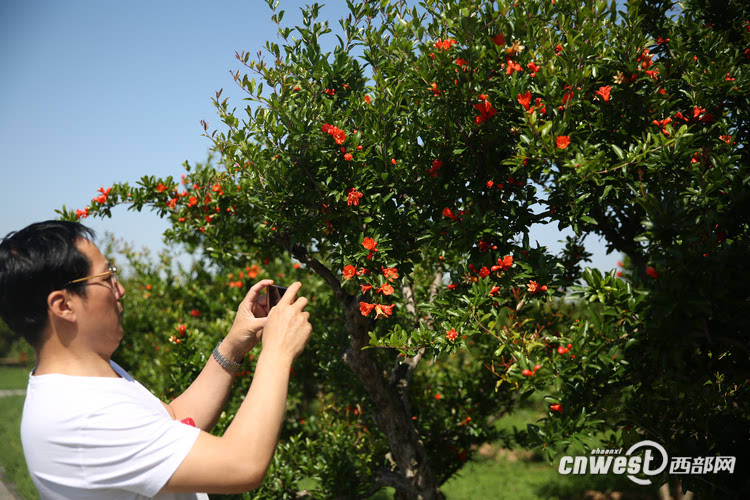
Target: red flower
[494, 290]
[102, 198]
[562, 141]
[349, 272]
[653, 73]
[558, 408]
[452, 286]
[512, 67]
[663, 124]
[527, 373]
[393, 161]
[484, 272]
[681, 117]
[486, 111]
[603, 92]
[353, 196]
[697, 111]
[461, 62]
[104, 191]
[368, 100]
[447, 212]
[172, 203]
[338, 135]
[366, 308]
[330, 91]
[385, 289]
[652, 272]
[82, 214]
[542, 109]
[365, 288]
[216, 188]
[499, 39]
[192, 201]
[382, 310]
[370, 244]
[438, 396]
[390, 273]
[506, 262]
[558, 49]
[645, 59]
[195, 313]
[444, 44]
[451, 334]
[252, 271]
[534, 68]
[524, 99]
[436, 166]
[726, 138]
[434, 88]
[161, 188]
[535, 288]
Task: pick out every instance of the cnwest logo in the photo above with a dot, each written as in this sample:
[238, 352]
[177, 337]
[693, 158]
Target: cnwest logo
[653, 461]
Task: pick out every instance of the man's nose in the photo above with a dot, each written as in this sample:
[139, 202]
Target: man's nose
[120, 290]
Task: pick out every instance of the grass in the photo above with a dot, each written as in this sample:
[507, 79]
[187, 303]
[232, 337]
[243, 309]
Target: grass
[16, 475]
[500, 474]
[14, 377]
[508, 475]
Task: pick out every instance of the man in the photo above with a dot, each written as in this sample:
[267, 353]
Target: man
[88, 429]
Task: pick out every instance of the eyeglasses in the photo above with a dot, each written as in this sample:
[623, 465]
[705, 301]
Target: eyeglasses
[110, 274]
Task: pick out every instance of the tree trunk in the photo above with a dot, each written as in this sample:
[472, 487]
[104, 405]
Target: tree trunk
[391, 415]
[414, 477]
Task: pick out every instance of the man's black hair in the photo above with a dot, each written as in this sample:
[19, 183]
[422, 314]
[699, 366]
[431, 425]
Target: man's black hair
[34, 262]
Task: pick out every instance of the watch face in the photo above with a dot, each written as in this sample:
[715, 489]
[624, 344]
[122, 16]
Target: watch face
[274, 295]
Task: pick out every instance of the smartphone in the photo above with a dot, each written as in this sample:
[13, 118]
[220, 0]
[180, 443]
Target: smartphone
[274, 295]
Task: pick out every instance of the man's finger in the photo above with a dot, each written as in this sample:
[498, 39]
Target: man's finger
[301, 303]
[254, 293]
[291, 293]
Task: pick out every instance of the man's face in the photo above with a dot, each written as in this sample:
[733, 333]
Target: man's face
[99, 314]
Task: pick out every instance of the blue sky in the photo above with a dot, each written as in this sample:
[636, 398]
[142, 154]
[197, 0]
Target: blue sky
[95, 92]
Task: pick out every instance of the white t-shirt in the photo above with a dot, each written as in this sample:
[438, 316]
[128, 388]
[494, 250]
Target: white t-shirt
[101, 438]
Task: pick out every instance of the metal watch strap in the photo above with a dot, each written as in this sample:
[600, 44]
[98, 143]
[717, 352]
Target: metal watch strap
[229, 366]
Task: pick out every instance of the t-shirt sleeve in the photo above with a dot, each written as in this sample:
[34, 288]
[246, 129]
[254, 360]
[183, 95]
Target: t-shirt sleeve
[133, 447]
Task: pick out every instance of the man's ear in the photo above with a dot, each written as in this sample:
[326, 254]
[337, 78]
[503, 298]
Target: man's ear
[59, 305]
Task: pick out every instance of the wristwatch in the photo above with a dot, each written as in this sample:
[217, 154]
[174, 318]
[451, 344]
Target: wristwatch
[230, 366]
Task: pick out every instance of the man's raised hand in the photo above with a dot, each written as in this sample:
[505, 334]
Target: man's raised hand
[287, 327]
[250, 320]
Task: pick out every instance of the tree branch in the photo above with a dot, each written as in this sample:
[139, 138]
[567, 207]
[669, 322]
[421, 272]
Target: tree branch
[301, 254]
